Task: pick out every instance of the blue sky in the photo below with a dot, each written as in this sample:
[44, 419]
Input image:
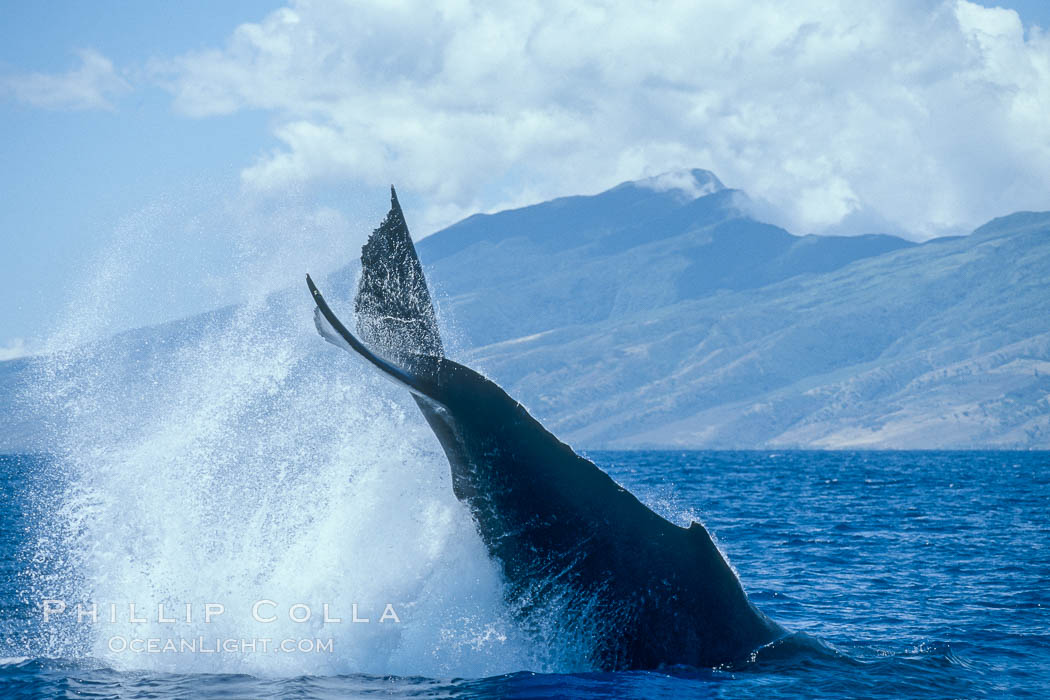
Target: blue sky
[163, 158]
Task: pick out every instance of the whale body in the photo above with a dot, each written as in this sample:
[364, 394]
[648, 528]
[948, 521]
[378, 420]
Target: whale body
[575, 549]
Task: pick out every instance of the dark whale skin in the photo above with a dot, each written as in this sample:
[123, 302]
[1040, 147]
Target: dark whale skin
[575, 549]
[395, 314]
[647, 591]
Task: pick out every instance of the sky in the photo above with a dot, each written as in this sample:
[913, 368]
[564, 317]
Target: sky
[180, 156]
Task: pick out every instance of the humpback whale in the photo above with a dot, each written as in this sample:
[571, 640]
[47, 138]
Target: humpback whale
[572, 545]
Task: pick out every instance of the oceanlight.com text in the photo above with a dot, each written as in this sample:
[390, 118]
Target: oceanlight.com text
[218, 645]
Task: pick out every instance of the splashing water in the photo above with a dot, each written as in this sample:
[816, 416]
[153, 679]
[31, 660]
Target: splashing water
[235, 458]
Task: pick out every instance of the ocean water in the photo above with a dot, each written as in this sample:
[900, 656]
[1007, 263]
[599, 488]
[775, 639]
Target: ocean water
[901, 574]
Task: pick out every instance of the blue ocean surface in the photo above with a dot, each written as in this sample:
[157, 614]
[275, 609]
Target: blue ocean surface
[901, 574]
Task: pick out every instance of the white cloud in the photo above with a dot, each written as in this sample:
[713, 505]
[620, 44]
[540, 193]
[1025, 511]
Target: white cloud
[91, 85]
[690, 184]
[927, 116]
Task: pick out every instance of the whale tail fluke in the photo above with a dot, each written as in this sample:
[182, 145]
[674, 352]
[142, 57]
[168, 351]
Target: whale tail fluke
[396, 322]
[326, 330]
[333, 330]
[395, 313]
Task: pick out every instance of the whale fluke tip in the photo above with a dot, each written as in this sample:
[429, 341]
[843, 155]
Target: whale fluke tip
[395, 313]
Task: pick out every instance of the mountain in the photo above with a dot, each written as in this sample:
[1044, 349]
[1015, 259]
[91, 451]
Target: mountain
[659, 313]
[636, 248]
[942, 345]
